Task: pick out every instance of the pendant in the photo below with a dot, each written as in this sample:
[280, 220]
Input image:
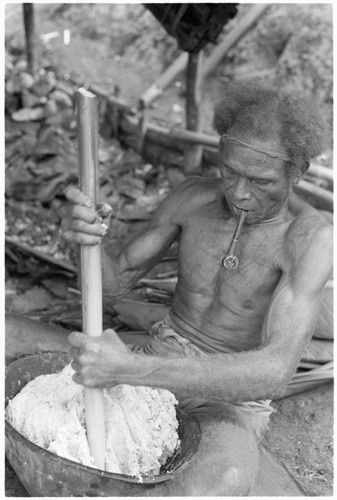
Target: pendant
[230, 262]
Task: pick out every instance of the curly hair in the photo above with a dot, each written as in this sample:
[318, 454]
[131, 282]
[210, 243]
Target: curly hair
[264, 112]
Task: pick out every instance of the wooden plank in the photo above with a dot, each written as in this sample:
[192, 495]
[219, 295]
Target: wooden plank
[273, 480]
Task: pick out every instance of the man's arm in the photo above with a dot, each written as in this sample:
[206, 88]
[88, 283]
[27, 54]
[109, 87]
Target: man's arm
[142, 253]
[259, 374]
[82, 224]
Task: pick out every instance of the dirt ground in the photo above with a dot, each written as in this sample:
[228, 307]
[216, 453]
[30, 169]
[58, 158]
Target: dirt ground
[126, 57]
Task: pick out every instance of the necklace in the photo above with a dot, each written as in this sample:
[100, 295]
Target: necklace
[231, 261]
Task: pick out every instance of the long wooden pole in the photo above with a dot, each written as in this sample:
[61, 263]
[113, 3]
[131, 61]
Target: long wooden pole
[28, 19]
[91, 270]
[193, 153]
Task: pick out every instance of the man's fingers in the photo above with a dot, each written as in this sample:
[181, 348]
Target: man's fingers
[77, 378]
[75, 365]
[84, 213]
[111, 334]
[74, 195]
[81, 238]
[104, 210]
[81, 226]
[78, 339]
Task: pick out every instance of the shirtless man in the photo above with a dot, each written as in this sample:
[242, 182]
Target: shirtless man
[234, 336]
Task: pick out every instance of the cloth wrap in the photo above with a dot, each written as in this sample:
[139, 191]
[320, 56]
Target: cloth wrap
[252, 415]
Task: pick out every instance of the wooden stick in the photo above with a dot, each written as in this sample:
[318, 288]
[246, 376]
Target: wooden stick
[193, 153]
[91, 271]
[163, 81]
[244, 25]
[22, 247]
[28, 20]
[318, 194]
[321, 172]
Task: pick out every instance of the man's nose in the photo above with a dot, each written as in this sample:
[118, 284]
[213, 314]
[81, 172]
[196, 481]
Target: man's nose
[242, 189]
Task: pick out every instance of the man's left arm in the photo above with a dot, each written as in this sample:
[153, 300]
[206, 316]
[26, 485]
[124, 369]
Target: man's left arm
[293, 311]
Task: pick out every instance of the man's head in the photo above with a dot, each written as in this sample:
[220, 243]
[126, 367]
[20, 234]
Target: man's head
[292, 125]
[267, 139]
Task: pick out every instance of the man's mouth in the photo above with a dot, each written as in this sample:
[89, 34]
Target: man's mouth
[238, 210]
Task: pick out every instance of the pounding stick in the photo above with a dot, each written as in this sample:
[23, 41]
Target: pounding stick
[91, 269]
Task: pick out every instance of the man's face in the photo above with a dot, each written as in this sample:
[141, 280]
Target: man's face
[253, 181]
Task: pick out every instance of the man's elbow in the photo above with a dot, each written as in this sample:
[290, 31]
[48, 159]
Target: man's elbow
[279, 381]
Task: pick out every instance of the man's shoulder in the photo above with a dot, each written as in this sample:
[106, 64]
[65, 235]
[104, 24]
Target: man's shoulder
[308, 221]
[198, 185]
[309, 237]
[195, 192]
[187, 198]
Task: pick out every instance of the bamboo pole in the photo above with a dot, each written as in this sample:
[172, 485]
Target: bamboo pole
[322, 172]
[28, 20]
[91, 272]
[318, 194]
[193, 153]
[173, 135]
[163, 81]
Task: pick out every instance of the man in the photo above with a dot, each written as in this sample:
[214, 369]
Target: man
[238, 325]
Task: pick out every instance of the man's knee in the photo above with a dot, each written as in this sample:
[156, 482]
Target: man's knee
[235, 482]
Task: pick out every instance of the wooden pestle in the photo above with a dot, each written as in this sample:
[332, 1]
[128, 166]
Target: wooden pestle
[91, 269]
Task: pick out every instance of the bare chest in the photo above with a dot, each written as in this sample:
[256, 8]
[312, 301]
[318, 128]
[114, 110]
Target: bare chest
[203, 245]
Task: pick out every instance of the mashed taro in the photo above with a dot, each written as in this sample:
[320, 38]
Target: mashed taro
[140, 422]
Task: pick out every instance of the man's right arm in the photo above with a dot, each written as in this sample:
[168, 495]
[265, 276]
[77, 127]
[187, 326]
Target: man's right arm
[122, 271]
[82, 225]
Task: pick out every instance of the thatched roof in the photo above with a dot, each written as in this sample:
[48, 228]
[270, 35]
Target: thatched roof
[193, 24]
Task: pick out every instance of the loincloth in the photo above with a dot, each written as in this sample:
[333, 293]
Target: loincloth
[253, 415]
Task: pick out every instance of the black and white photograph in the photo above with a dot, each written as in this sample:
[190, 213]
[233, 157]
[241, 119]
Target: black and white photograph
[168, 249]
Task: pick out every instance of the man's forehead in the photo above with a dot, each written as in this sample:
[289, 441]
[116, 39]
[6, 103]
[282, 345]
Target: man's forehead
[239, 155]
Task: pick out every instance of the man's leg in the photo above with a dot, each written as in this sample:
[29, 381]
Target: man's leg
[225, 464]
[25, 336]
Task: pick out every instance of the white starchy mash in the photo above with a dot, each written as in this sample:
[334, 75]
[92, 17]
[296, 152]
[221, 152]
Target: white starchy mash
[140, 422]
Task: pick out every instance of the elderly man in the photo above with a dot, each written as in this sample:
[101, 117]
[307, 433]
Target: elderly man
[253, 262]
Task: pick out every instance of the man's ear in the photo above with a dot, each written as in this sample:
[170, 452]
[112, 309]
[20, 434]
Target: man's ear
[298, 175]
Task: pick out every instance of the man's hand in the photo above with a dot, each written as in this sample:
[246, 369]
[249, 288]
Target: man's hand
[82, 223]
[102, 361]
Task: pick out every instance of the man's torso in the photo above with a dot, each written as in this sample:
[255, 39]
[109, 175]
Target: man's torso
[223, 310]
